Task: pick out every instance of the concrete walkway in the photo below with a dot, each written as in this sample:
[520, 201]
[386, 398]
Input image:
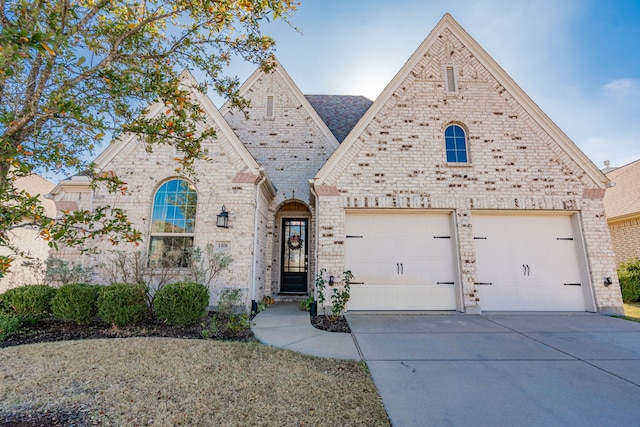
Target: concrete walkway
[285, 325]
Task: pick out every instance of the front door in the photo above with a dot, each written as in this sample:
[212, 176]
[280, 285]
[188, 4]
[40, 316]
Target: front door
[293, 278]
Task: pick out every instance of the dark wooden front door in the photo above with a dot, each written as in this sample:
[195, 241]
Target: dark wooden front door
[293, 277]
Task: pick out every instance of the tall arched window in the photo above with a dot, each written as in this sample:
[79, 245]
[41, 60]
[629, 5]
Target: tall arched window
[173, 223]
[456, 144]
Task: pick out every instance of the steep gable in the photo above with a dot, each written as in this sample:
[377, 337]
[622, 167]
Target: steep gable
[507, 131]
[231, 146]
[283, 132]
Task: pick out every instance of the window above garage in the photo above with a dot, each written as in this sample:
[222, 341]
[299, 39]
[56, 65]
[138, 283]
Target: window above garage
[455, 139]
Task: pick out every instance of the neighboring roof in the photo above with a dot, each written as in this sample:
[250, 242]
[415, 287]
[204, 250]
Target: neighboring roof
[448, 23]
[340, 112]
[623, 199]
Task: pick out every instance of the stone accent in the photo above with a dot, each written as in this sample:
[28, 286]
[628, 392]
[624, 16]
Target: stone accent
[593, 193]
[327, 190]
[245, 178]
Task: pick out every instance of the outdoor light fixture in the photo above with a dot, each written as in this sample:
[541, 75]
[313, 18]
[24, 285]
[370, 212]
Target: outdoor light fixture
[331, 280]
[222, 219]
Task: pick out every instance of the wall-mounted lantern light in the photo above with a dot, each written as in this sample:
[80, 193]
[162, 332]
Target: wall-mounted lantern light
[222, 219]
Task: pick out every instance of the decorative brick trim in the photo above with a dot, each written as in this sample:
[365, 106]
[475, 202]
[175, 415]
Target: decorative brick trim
[245, 178]
[593, 193]
[327, 190]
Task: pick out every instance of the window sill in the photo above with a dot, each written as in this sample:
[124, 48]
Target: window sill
[459, 164]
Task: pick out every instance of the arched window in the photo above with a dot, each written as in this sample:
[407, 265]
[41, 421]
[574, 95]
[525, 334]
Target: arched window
[173, 223]
[456, 144]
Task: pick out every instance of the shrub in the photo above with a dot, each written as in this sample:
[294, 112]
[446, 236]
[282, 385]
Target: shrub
[181, 303]
[307, 303]
[76, 302]
[61, 272]
[9, 325]
[629, 275]
[232, 310]
[28, 303]
[122, 304]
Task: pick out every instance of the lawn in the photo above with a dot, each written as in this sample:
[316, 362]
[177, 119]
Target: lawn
[632, 311]
[168, 381]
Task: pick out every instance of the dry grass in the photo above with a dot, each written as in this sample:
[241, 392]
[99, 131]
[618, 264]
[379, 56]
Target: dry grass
[162, 381]
[632, 311]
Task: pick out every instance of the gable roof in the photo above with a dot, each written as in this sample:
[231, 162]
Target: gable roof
[340, 112]
[212, 112]
[282, 73]
[448, 23]
[623, 199]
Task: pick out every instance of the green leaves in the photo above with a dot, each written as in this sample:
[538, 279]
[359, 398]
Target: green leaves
[72, 72]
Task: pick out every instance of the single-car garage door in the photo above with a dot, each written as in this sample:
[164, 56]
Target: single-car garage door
[400, 261]
[528, 263]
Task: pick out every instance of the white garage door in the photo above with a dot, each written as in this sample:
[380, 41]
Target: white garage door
[400, 261]
[527, 263]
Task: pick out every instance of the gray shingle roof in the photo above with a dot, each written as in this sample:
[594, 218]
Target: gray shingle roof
[340, 112]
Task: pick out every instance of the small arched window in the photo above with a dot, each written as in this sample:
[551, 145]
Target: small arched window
[455, 141]
[173, 223]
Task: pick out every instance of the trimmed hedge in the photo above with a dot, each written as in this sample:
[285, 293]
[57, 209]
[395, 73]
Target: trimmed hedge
[28, 303]
[77, 302]
[629, 275]
[122, 304]
[181, 303]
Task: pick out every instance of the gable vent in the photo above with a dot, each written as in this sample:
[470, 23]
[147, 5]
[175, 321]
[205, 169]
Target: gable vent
[269, 106]
[450, 80]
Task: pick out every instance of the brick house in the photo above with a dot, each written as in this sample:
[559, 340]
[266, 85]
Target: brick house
[452, 191]
[622, 206]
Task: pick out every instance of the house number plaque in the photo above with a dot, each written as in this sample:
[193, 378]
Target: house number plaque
[223, 246]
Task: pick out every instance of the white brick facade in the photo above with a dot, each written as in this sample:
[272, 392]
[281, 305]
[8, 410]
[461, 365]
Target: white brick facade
[397, 161]
[520, 162]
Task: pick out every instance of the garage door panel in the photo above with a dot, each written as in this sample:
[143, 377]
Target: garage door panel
[527, 262]
[373, 272]
[403, 297]
[400, 258]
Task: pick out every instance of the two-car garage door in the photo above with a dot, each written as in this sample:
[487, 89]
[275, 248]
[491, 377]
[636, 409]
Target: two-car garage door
[408, 261]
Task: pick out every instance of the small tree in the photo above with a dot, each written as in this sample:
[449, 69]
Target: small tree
[60, 272]
[73, 72]
[206, 264]
[339, 297]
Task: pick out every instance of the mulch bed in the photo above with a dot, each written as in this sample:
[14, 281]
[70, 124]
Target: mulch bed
[49, 330]
[324, 323]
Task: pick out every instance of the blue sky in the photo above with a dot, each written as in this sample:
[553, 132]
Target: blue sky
[579, 60]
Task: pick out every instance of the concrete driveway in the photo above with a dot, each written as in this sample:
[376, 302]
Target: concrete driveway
[503, 369]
